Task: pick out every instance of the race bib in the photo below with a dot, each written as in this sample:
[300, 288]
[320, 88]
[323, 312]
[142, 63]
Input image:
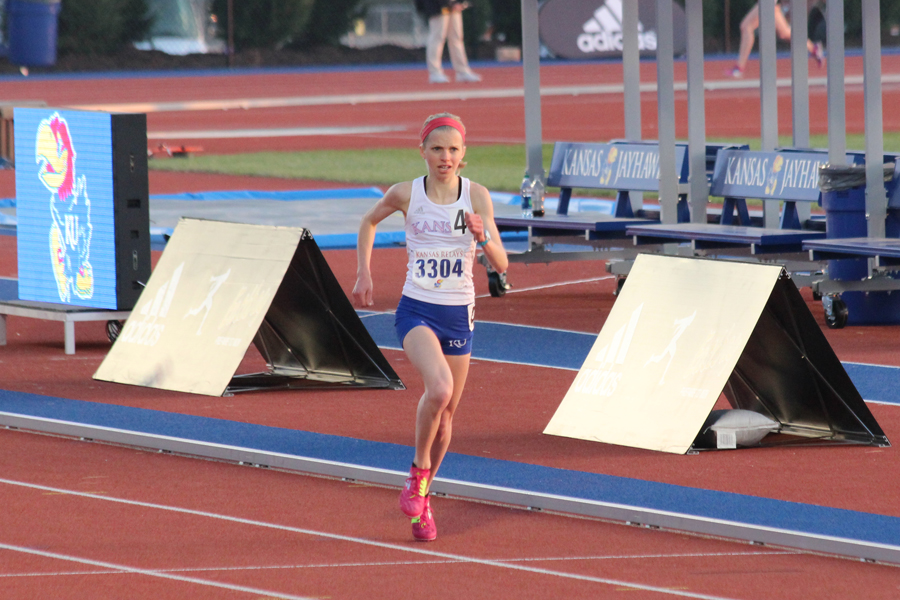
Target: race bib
[439, 268]
[457, 216]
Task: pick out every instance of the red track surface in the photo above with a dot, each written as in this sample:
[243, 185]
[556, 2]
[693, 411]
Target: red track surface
[585, 117]
[505, 409]
[479, 553]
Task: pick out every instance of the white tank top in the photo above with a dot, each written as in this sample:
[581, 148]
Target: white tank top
[440, 249]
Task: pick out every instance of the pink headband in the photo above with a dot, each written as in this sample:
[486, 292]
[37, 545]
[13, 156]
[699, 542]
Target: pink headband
[443, 122]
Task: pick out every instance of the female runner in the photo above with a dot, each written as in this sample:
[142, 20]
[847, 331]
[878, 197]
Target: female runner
[446, 217]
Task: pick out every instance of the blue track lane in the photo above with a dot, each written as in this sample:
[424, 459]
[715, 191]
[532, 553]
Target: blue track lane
[555, 348]
[559, 349]
[704, 504]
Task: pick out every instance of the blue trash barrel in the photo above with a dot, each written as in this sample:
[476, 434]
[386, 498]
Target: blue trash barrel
[32, 31]
[845, 217]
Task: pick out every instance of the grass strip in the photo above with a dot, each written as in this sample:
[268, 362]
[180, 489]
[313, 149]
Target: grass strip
[498, 167]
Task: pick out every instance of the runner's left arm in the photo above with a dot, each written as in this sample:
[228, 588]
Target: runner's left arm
[481, 223]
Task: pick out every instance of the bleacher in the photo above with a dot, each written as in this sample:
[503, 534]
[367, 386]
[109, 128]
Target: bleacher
[785, 175]
[620, 167]
[789, 176]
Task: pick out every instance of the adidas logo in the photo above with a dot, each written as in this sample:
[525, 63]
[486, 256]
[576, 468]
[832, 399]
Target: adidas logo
[144, 327]
[161, 303]
[601, 378]
[603, 32]
[615, 351]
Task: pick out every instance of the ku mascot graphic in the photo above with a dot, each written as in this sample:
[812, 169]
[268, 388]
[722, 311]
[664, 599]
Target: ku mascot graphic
[70, 208]
[772, 181]
[607, 170]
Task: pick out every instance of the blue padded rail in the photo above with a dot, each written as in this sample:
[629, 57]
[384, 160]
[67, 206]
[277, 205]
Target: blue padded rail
[697, 503]
[705, 236]
[885, 251]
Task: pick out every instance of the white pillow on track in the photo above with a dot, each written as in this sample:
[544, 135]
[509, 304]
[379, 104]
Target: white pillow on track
[737, 427]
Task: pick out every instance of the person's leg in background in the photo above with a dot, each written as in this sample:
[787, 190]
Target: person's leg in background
[434, 51]
[783, 30]
[749, 25]
[457, 49]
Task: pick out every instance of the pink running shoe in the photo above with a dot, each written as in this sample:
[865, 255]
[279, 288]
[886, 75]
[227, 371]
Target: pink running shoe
[735, 72]
[423, 527]
[412, 496]
[819, 54]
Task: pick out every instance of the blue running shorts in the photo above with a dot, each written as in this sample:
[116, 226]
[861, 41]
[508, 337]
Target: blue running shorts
[452, 325]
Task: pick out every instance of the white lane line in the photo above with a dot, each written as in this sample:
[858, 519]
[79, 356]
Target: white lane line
[344, 538]
[267, 133]
[150, 573]
[472, 94]
[295, 101]
[551, 285]
[643, 556]
[403, 563]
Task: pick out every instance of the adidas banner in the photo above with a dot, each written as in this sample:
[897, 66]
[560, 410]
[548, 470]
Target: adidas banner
[593, 28]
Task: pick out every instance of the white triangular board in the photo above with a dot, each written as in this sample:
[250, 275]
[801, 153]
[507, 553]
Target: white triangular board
[202, 306]
[665, 353]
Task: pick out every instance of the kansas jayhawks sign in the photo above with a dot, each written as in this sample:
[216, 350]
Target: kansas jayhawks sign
[64, 207]
[620, 165]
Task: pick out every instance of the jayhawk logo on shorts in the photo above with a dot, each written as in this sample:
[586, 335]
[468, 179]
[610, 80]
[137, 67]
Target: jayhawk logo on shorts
[70, 208]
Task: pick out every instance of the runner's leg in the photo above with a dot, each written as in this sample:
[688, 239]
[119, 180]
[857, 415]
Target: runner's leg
[424, 351]
[749, 24]
[459, 366]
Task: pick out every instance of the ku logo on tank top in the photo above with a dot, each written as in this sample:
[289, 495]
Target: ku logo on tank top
[455, 224]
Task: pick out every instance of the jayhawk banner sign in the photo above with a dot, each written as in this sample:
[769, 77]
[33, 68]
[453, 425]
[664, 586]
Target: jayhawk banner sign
[64, 207]
[768, 175]
[619, 165]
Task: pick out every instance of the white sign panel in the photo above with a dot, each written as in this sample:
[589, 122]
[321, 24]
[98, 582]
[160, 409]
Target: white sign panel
[665, 353]
[202, 306]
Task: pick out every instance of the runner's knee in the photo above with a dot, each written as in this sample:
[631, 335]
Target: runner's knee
[439, 394]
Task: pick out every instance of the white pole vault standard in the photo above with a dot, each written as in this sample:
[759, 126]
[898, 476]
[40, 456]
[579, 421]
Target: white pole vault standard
[768, 96]
[665, 78]
[834, 34]
[631, 83]
[699, 187]
[876, 200]
[531, 66]
[800, 91]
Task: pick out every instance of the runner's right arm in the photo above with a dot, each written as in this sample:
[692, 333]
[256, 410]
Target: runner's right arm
[395, 199]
